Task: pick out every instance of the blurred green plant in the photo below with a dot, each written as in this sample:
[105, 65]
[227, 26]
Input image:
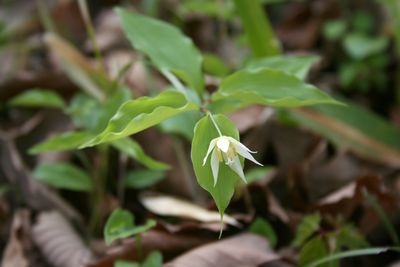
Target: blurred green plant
[366, 57]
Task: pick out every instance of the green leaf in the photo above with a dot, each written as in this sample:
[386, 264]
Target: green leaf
[360, 46]
[135, 151]
[313, 250]
[348, 254]
[258, 173]
[210, 8]
[64, 176]
[333, 30]
[268, 87]
[37, 98]
[214, 65]
[294, 65]
[121, 224]
[204, 132]
[126, 264]
[144, 178]
[110, 107]
[355, 128]
[154, 259]
[349, 237]
[84, 111]
[65, 141]
[139, 114]
[264, 228]
[258, 29]
[308, 226]
[166, 46]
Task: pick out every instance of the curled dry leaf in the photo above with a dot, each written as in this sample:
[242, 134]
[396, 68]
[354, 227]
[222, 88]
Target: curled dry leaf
[244, 250]
[351, 198]
[58, 241]
[18, 243]
[170, 206]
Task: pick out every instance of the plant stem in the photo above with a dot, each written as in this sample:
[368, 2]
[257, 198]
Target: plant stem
[174, 81]
[90, 30]
[215, 123]
[139, 248]
[99, 176]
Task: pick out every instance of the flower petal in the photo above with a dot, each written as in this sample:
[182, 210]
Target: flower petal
[237, 167]
[210, 148]
[215, 166]
[243, 151]
[237, 143]
[223, 143]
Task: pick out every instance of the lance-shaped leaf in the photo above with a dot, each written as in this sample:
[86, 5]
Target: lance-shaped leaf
[269, 87]
[295, 65]
[64, 175]
[355, 128]
[65, 141]
[142, 113]
[38, 98]
[204, 132]
[121, 224]
[166, 46]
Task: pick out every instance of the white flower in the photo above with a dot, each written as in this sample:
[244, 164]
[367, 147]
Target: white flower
[226, 149]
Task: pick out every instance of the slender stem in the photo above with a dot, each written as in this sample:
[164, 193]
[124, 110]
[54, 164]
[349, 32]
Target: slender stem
[175, 81]
[139, 246]
[90, 30]
[215, 123]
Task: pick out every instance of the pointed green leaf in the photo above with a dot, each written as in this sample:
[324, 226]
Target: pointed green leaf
[154, 259]
[37, 98]
[64, 176]
[313, 250]
[307, 227]
[136, 115]
[65, 141]
[135, 151]
[262, 227]
[121, 224]
[166, 46]
[268, 87]
[294, 65]
[258, 29]
[126, 264]
[204, 132]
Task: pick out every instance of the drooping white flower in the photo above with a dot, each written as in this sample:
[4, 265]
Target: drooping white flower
[226, 149]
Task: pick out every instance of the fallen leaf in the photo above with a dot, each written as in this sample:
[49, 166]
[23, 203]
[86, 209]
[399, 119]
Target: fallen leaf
[59, 242]
[14, 253]
[170, 206]
[244, 250]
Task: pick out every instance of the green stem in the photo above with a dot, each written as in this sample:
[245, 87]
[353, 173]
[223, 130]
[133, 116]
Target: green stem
[174, 81]
[215, 123]
[90, 30]
[99, 176]
[139, 246]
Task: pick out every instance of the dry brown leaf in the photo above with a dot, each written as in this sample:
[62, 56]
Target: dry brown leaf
[151, 240]
[18, 243]
[58, 241]
[244, 250]
[171, 206]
